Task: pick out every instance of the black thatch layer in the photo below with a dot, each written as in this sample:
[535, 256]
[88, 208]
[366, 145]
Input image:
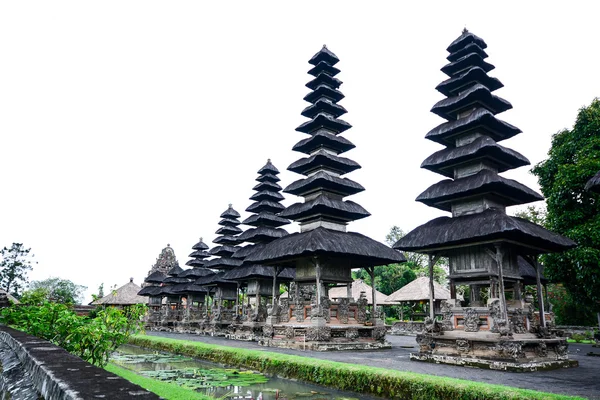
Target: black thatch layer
[200, 246]
[226, 240]
[323, 105]
[466, 61]
[324, 67]
[174, 280]
[480, 120]
[444, 161]
[262, 234]
[195, 273]
[199, 254]
[323, 159]
[268, 168]
[176, 270]
[214, 279]
[265, 206]
[189, 288]
[206, 279]
[485, 181]
[168, 291]
[324, 78]
[266, 195]
[452, 86]
[324, 121]
[323, 139]
[594, 183]
[150, 291]
[527, 272]
[351, 249]
[228, 230]
[195, 263]
[465, 39]
[248, 272]
[265, 219]
[491, 225]
[268, 177]
[476, 95]
[223, 251]
[243, 252]
[324, 92]
[324, 181]
[266, 185]
[324, 55]
[468, 49]
[223, 263]
[229, 222]
[327, 207]
[155, 277]
[230, 213]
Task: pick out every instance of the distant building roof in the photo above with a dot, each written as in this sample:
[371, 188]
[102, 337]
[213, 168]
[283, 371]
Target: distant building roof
[357, 286]
[418, 290]
[125, 295]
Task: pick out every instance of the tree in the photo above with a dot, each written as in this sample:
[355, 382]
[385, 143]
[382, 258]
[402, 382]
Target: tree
[16, 261]
[534, 214]
[574, 157]
[57, 290]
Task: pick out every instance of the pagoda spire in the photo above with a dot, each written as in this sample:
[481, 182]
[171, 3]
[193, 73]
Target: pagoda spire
[323, 187]
[226, 242]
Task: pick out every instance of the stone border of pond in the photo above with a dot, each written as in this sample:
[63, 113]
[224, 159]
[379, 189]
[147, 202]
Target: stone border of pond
[57, 374]
[343, 376]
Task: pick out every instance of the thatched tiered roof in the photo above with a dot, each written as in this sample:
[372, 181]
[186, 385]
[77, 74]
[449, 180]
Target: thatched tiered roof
[324, 213]
[418, 290]
[124, 296]
[227, 242]
[475, 194]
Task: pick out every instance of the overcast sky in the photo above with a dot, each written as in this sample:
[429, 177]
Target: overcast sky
[127, 125]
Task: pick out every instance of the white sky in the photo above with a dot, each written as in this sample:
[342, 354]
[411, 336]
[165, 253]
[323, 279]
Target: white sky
[127, 125]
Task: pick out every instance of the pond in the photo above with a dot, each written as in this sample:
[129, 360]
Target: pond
[222, 383]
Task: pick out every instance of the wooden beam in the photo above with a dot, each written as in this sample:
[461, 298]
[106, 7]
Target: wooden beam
[540, 295]
[432, 261]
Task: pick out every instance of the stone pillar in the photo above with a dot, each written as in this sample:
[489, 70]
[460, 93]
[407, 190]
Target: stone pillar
[476, 295]
[540, 295]
[349, 290]
[431, 289]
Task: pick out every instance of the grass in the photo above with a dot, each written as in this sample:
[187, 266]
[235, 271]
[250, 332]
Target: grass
[581, 341]
[167, 390]
[357, 378]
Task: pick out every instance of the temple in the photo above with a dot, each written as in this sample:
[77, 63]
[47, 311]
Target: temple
[498, 329]
[323, 253]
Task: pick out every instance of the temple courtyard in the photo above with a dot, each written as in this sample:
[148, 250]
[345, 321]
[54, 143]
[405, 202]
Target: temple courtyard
[581, 381]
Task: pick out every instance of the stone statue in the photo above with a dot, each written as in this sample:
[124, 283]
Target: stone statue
[471, 320]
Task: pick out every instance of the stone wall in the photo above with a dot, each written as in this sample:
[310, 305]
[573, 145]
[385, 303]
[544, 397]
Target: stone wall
[32, 367]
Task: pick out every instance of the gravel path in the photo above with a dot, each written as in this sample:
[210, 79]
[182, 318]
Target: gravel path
[582, 381]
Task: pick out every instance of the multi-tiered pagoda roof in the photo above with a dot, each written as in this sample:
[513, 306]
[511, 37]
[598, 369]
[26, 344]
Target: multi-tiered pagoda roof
[475, 193]
[265, 225]
[324, 213]
[227, 242]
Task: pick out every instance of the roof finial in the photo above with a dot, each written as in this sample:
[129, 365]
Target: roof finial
[465, 30]
[230, 205]
[130, 280]
[324, 46]
[268, 160]
[168, 245]
[200, 238]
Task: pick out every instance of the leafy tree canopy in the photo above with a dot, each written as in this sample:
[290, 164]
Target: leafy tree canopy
[56, 290]
[15, 262]
[571, 210]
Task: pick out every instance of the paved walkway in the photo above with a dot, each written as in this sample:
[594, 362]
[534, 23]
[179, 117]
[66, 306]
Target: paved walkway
[582, 381]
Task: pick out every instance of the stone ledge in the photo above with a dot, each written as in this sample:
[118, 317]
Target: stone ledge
[57, 374]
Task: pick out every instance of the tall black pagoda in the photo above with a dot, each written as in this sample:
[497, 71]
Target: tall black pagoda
[481, 241]
[261, 281]
[225, 290]
[324, 252]
[195, 294]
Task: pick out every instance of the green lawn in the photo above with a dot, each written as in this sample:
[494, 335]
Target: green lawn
[358, 378]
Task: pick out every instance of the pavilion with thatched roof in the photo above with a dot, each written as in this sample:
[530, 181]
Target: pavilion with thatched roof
[123, 296]
[418, 291]
[358, 288]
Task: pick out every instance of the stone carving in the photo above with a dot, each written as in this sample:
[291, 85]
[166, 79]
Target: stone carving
[343, 309]
[432, 326]
[425, 341]
[289, 332]
[510, 349]
[299, 312]
[317, 310]
[273, 310]
[284, 315]
[318, 333]
[541, 350]
[516, 321]
[561, 349]
[448, 316]
[268, 331]
[352, 333]
[326, 308]
[362, 302]
[379, 332]
[463, 345]
[471, 320]
[495, 314]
